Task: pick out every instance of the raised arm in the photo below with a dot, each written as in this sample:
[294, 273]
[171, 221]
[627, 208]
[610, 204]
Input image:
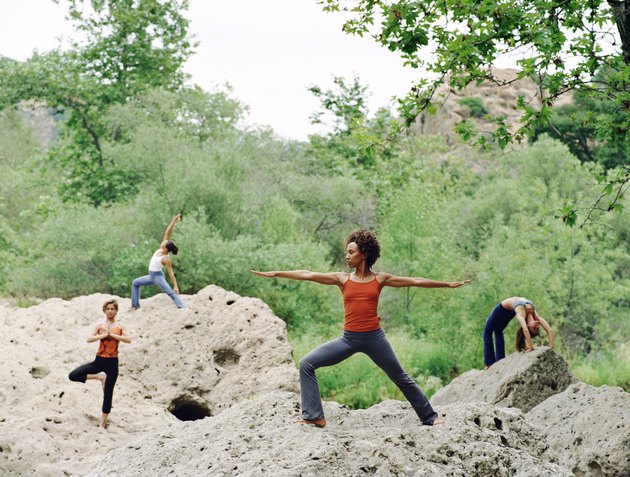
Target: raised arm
[387, 279]
[521, 316]
[169, 266]
[95, 336]
[169, 229]
[546, 327]
[333, 278]
[123, 336]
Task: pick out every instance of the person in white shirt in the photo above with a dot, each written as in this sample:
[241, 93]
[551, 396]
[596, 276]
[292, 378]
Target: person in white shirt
[160, 259]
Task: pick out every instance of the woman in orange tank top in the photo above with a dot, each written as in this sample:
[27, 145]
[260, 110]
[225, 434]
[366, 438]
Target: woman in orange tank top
[362, 330]
[104, 368]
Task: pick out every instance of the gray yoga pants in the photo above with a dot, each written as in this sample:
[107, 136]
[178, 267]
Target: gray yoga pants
[375, 345]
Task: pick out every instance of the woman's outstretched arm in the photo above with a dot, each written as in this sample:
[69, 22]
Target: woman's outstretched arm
[333, 278]
[387, 279]
[522, 317]
[169, 267]
[169, 229]
[547, 329]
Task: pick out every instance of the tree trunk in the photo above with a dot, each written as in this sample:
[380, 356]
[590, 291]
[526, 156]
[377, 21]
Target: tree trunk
[621, 11]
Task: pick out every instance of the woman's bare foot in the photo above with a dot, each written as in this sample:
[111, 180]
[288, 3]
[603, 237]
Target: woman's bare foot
[104, 422]
[313, 422]
[102, 378]
[437, 421]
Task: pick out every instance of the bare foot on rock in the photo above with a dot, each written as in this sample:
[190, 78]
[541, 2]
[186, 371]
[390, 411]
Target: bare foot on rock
[437, 421]
[321, 423]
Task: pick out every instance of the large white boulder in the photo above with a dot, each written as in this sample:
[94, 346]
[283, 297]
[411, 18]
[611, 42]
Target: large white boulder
[587, 429]
[259, 437]
[521, 380]
[192, 362]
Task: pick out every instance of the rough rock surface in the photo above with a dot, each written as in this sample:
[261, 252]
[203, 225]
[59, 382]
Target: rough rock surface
[587, 429]
[258, 437]
[220, 350]
[521, 380]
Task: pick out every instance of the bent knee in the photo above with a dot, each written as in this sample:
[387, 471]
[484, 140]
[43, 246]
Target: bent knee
[76, 377]
[306, 365]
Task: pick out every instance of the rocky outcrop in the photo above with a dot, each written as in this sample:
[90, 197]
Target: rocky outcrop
[587, 429]
[210, 390]
[521, 380]
[494, 101]
[185, 363]
[221, 349]
[258, 437]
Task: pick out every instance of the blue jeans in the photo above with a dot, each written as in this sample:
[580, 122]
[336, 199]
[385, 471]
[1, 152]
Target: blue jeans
[153, 278]
[375, 345]
[497, 322]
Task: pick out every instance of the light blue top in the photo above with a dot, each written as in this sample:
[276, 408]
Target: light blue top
[521, 302]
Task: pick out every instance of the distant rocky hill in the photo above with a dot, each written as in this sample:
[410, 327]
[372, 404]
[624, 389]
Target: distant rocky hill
[477, 100]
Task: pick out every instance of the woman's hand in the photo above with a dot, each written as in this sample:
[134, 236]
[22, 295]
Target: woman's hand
[458, 284]
[264, 274]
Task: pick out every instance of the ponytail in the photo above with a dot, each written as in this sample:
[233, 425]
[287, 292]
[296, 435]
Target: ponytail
[171, 247]
[520, 338]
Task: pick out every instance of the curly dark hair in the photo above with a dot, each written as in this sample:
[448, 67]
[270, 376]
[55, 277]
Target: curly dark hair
[368, 245]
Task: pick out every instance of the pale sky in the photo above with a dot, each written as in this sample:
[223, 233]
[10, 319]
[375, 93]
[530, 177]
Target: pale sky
[269, 51]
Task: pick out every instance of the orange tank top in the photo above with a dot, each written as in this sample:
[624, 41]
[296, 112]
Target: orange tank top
[108, 347]
[360, 301]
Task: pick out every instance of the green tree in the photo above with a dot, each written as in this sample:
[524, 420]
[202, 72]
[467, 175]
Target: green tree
[129, 47]
[367, 147]
[578, 125]
[475, 105]
[561, 45]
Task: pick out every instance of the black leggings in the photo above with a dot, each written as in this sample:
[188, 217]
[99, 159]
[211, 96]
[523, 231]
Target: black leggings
[375, 345]
[109, 366]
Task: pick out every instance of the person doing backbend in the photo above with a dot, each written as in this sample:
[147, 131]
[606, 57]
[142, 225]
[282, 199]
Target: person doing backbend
[156, 276]
[104, 368]
[362, 329]
[528, 319]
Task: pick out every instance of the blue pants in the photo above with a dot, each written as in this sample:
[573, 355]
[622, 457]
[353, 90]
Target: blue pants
[497, 322]
[109, 366]
[154, 278]
[375, 345]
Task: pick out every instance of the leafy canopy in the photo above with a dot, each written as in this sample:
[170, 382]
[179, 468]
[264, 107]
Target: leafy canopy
[560, 44]
[128, 47]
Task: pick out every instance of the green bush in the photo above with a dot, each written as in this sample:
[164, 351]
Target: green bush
[611, 367]
[475, 105]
